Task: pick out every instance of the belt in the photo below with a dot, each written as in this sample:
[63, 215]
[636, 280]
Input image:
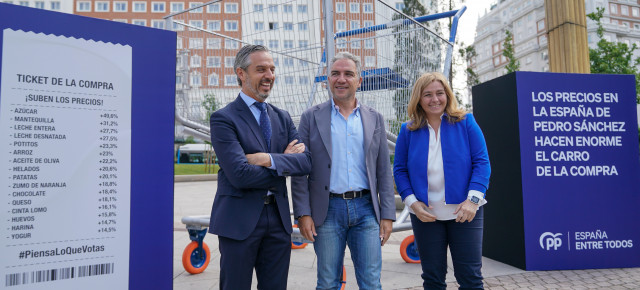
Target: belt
[269, 199]
[350, 194]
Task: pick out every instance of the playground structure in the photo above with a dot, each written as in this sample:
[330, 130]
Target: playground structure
[394, 49]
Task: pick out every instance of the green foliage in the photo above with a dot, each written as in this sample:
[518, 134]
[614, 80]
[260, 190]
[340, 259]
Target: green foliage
[509, 53]
[613, 57]
[465, 55]
[210, 105]
[189, 169]
[189, 140]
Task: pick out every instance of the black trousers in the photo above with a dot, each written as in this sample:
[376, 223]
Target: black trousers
[465, 243]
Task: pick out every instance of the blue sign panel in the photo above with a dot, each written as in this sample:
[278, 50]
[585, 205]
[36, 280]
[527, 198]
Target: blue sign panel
[87, 123]
[580, 170]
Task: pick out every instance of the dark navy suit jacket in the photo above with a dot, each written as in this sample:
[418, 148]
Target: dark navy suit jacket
[242, 186]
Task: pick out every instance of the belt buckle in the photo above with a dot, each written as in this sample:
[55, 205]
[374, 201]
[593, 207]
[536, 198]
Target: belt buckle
[353, 195]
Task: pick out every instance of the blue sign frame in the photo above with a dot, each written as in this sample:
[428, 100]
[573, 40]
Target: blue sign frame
[580, 165]
[152, 121]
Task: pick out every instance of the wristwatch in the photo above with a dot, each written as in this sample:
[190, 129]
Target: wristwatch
[474, 199]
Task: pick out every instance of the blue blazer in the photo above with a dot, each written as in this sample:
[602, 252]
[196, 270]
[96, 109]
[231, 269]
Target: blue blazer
[242, 186]
[464, 157]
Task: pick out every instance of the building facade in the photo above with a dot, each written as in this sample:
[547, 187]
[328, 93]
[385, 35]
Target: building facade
[65, 6]
[526, 19]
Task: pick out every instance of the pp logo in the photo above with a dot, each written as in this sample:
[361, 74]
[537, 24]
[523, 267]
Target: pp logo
[550, 240]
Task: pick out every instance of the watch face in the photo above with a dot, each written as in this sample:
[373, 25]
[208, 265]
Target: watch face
[475, 199]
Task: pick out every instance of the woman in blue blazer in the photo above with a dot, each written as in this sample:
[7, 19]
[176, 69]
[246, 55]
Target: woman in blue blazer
[442, 170]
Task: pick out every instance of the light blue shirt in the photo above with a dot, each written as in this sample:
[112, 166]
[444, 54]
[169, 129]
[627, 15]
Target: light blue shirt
[256, 114]
[348, 166]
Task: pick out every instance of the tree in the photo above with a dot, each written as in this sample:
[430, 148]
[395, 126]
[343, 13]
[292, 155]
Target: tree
[464, 58]
[613, 57]
[509, 53]
[210, 105]
[417, 51]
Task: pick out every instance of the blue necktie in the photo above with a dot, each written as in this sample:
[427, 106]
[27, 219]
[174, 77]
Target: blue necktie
[265, 124]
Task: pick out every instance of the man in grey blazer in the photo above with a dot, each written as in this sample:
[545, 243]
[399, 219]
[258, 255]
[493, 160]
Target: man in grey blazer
[347, 199]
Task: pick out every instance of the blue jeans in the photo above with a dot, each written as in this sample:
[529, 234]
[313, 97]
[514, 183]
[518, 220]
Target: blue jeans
[465, 243]
[349, 222]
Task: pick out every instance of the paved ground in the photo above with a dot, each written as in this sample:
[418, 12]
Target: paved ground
[195, 198]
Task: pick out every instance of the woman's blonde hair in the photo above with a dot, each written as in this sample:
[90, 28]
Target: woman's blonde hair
[418, 116]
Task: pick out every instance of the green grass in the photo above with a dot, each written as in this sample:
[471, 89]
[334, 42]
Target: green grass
[188, 169]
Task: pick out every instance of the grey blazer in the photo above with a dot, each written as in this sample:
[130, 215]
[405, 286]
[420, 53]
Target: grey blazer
[310, 194]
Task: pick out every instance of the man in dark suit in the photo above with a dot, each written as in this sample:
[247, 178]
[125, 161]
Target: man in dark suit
[347, 199]
[256, 144]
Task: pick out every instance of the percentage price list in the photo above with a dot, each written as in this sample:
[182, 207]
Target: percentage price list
[65, 123]
[108, 174]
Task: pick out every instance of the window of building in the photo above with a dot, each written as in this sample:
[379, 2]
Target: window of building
[614, 8]
[195, 43]
[231, 7]
[341, 7]
[141, 22]
[273, 25]
[196, 79]
[120, 20]
[624, 9]
[120, 6]
[83, 6]
[195, 23]
[195, 4]
[214, 43]
[55, 5]
[354, 7]
[541, 25]
[289, 80]
[287, 8]
[287, 44]
[303, 26]
[213, 61]
[367, 23]
[231, 44]
[158, 7]
[213, 8]
[367, 7]
[23, 3]
[155, 23]
[399, 6]
[177, 6]
[355, 24]
[258, 26]
[303, 43]
[228, 61]
[355, 43]
[341, 25]
[369, 44]
[341, 43]
[635, 11]
[288, 26]
[230, 80]
[303, 63]
[39, 4]
[274, 44]
[257, 7]
[179, 43]
[195, 60]
[303, 80]
[370, 61]
[231, 25]
[288, 61]
[273, 8]
[213, 25]
[258, 42]
[139, 6]
[214, 80]
[302, 8]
